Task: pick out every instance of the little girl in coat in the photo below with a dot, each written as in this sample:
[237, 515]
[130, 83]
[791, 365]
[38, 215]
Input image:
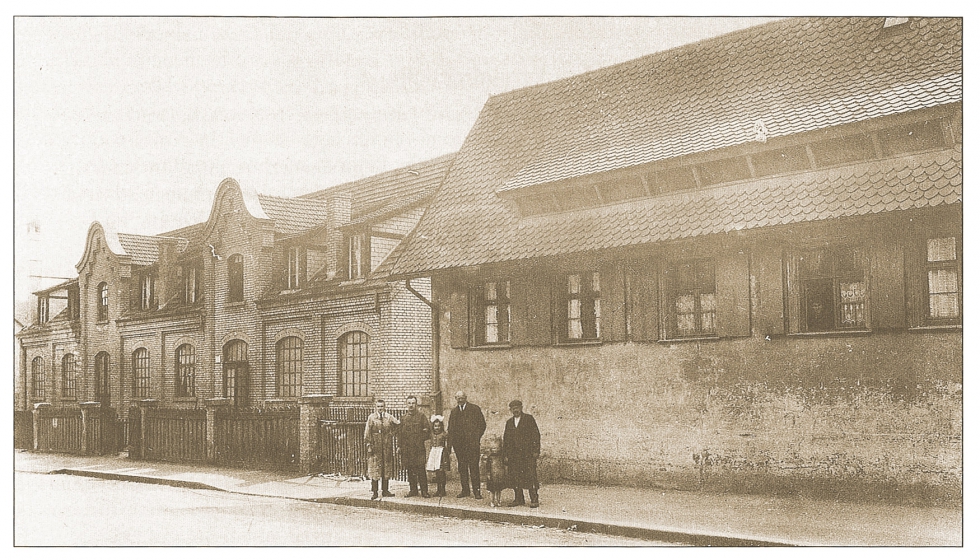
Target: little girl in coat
[493, 470]
[438, 461]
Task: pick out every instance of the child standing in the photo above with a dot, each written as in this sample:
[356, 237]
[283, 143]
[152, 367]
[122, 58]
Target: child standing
[493, 470]
[438, 461]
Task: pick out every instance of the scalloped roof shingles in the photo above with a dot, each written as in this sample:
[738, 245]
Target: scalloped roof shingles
[794, 75]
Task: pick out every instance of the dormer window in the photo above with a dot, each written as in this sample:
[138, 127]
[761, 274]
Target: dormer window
[236, 278]
[146, 292]
[73, 311]
[190, 284]
[43, 309]
[295, 268]
[358, 256]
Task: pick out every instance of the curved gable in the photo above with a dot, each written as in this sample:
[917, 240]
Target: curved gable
[100, 236]
[248, 199]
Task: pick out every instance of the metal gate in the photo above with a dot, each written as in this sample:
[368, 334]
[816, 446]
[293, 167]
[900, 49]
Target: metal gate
[342, 450]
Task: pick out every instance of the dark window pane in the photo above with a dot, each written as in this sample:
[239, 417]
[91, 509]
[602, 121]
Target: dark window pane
[818, 305]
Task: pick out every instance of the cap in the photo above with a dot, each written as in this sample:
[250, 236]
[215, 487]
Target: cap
[514, 403]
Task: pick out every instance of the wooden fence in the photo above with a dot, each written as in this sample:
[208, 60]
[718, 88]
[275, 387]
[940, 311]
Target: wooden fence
[66, 430]
[23, 429]
[341, 446]
[175, 435]
[257, 438]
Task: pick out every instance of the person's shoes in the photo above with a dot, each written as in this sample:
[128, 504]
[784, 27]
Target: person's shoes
[387, 494]
[534, 504]
[441, 494]
[477, 495]
[463, 495]
[426, 495]
[412, 494]
[374, 496]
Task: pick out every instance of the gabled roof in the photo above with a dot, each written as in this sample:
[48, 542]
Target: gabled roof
[787, 77]
[293, 215]
[411, 182]
[144, 250]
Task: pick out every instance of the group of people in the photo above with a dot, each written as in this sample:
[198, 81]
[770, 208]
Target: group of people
[509, 461]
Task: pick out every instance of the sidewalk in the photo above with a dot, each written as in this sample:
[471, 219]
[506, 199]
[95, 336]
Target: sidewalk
[696, 518]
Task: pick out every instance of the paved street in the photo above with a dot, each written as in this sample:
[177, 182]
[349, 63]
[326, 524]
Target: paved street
[64, 510]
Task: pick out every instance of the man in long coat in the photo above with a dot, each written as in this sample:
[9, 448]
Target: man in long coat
[378, 430]
[521, 449]
[412, 433]
[466, 427]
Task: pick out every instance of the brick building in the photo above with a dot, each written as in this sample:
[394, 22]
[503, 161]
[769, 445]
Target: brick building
[734, 263]
[268, 300]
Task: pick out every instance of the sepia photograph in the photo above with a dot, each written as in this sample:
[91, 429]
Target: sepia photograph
[494, 281]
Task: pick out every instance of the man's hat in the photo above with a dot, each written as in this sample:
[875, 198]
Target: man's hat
[514, 403]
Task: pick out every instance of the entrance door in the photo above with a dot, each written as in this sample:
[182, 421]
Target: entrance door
[236, 372]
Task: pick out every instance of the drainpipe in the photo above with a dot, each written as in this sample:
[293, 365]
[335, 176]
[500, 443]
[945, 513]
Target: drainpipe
[436, 389]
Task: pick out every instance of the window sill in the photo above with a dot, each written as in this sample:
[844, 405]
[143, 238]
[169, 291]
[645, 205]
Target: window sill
[689, 339]
[185, 399]
[830, 334]
[352, 400]
[573, 343]
[234, 304]
[936, 328]
[501, 346]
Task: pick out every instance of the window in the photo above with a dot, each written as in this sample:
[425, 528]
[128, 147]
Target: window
[146, 292]
[913, 137]
[184, 367]
[774, 162]
[102, 303]
[190, 284]
[295, 268]
[724, 171]
[289, 367]
[37, 379]
[141, 373]
[235, 372]
[833, 289]
[691, 305]
[352, 356]
[68, 376]
[579, 309]
[236, 278]
[943, 280]
[43, 309]
[102, 377]
[493, 320]
[73, 311]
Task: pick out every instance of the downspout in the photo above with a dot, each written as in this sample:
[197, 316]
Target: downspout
[436, 392]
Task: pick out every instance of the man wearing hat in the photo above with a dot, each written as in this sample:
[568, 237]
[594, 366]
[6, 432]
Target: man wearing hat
[522, 447]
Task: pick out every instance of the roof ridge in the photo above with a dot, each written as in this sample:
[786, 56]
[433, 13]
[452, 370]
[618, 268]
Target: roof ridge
[376, 176]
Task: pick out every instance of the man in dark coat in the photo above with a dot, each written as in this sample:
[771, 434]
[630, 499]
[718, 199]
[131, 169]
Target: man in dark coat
[466, 427]
[522, 447]
[412, 433]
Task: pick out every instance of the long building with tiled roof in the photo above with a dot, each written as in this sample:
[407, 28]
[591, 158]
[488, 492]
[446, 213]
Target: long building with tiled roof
[734, 264]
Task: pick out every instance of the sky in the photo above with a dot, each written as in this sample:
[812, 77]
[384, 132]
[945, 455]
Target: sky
[133, 122]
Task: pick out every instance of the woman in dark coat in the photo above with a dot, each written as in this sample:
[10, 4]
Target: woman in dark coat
[522, 447]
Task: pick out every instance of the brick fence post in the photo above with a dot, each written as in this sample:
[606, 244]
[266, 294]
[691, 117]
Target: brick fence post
[144, 405]
[310, 409]
[38, 408]
[90, 414]
[211, 432]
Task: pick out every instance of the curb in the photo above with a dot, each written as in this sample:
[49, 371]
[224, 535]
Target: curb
[566, 524]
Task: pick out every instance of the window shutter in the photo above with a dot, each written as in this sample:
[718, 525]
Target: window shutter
[915, 277]
[767, 267]
[644, 301]
[732, 293]
[887, 292]
[539, 302]
[791, 262]
[459, 336]
[612, 298]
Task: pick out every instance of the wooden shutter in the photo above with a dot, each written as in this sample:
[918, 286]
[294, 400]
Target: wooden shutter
[459, 335]
[767, 267]
[539, 318]
[644, 300]
[732, 294]
[612, 297]
[791, 277]
[887, 287]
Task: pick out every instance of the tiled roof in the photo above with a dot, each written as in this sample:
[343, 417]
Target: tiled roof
[145, 249]
[405, 183]
[187, 232]
[293, 215]
[901, 183]
[392, 208]
[794, 75]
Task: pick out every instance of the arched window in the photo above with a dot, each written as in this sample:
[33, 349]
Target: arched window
[235, 369]
[141, 373]
[352, 357]
[102, 303]
[37, 379]
[289, 367]
[68, 376]
[236, 278]
[184, 366]
[102, 377]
